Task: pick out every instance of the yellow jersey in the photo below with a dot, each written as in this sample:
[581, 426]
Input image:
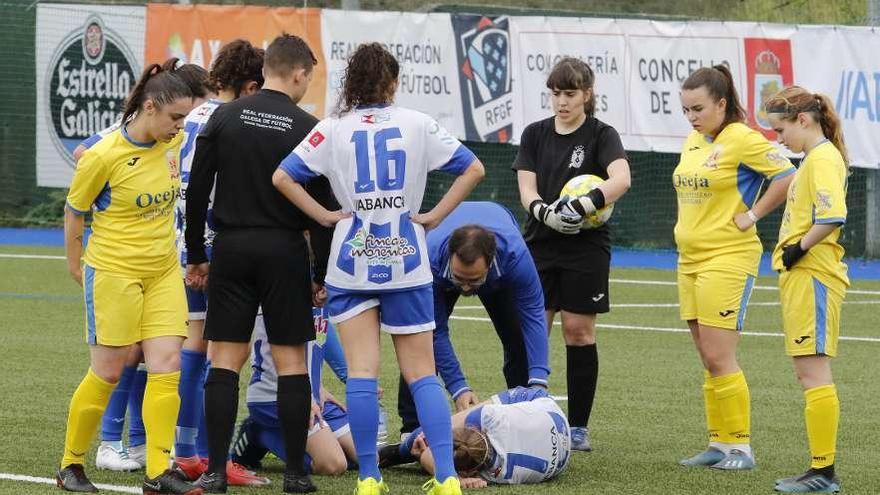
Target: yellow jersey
[816, 196]
[715, 179]
[132, 190]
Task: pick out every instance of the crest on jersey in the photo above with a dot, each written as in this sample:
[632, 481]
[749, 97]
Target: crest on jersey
[173, 164]
[316, 138]
[714, 156]
[87, 80]
[823, 201]
[483, 49]
[776, 158]
[768, 70]
[577, 157]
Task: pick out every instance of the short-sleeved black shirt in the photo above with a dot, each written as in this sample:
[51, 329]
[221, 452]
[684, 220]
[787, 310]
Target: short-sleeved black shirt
[242, 145]
[556, 158]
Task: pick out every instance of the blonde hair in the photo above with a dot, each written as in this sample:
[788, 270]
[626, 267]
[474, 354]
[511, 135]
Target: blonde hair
[795, 100]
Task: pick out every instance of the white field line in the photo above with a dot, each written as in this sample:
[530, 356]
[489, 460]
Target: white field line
[757, 287]
[50, 481]
[614, 280]
[668, 329]
[32, 256]
[675, 305]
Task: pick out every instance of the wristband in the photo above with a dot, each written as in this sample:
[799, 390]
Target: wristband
[752, 216]
[532, 211]
[597, 197]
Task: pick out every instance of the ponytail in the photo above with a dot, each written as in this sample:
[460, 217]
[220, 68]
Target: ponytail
[795, 100]
[832, 127]
[157, 84]
[718, 81]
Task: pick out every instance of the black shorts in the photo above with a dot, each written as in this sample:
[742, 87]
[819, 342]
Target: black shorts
[574, 280]
[254, 267]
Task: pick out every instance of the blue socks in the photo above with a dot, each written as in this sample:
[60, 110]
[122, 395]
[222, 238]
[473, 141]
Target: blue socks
[202, 439]
[114, 416]
[434, 417]
[362, 399]
[192, 400]
[137, 435]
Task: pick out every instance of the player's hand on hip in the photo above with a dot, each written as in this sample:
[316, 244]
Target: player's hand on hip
[465, 400]
[331, 218]
[319, 295]
[197, 276]
[791, 254]
[427, 220]
[473, 483]
[743, 221]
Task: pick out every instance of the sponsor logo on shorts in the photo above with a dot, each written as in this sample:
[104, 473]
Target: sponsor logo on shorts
[800, 340]
[598, 297]
[726, 313]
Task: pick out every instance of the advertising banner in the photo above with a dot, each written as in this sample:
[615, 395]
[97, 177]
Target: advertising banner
[194, 34]
[88, 57]
[424, 48]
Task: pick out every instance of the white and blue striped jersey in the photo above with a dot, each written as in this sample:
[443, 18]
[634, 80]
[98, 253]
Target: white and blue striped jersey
[530, 440]
[263, 386]
[377, 160]
[192, 125]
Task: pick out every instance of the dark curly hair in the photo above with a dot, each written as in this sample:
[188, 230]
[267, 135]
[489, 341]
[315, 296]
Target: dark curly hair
[369, 78]
[237, 63]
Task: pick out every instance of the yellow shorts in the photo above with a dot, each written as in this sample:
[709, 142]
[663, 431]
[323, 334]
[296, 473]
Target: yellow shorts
[122, 310]
[810, 313]
[715, 297]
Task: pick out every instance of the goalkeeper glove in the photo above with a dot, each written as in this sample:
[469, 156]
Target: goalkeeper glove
[791, 254]
[583, 205]
[559, 221]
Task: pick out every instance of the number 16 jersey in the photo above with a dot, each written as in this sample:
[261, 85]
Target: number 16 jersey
[377, 160]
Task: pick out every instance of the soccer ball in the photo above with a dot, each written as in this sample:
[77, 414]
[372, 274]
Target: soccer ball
[580, 185]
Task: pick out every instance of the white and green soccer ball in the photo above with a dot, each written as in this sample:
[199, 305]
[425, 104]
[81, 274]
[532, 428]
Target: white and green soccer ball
[580, 185]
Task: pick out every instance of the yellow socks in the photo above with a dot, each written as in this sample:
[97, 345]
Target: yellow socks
[714, 420]
[161, 405]
[822, 413]
[86, 408]
[734, 404]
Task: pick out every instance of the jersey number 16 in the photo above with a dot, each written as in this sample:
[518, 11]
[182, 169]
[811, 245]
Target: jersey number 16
[386, 179]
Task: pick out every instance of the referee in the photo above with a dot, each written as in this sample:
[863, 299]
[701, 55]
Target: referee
[260, 257]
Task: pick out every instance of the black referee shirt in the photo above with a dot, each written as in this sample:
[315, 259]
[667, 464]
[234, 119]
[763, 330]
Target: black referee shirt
[242, 145]
[557, 158]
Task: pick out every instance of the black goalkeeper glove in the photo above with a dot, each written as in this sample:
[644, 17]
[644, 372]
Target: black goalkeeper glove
[791, 254]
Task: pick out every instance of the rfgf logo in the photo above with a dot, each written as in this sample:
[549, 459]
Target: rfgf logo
[91, 73]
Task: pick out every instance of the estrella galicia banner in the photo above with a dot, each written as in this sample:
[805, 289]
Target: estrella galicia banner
[88, 59]
[484, 55]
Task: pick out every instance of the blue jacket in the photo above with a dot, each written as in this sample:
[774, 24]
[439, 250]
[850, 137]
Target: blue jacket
[512, 267]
